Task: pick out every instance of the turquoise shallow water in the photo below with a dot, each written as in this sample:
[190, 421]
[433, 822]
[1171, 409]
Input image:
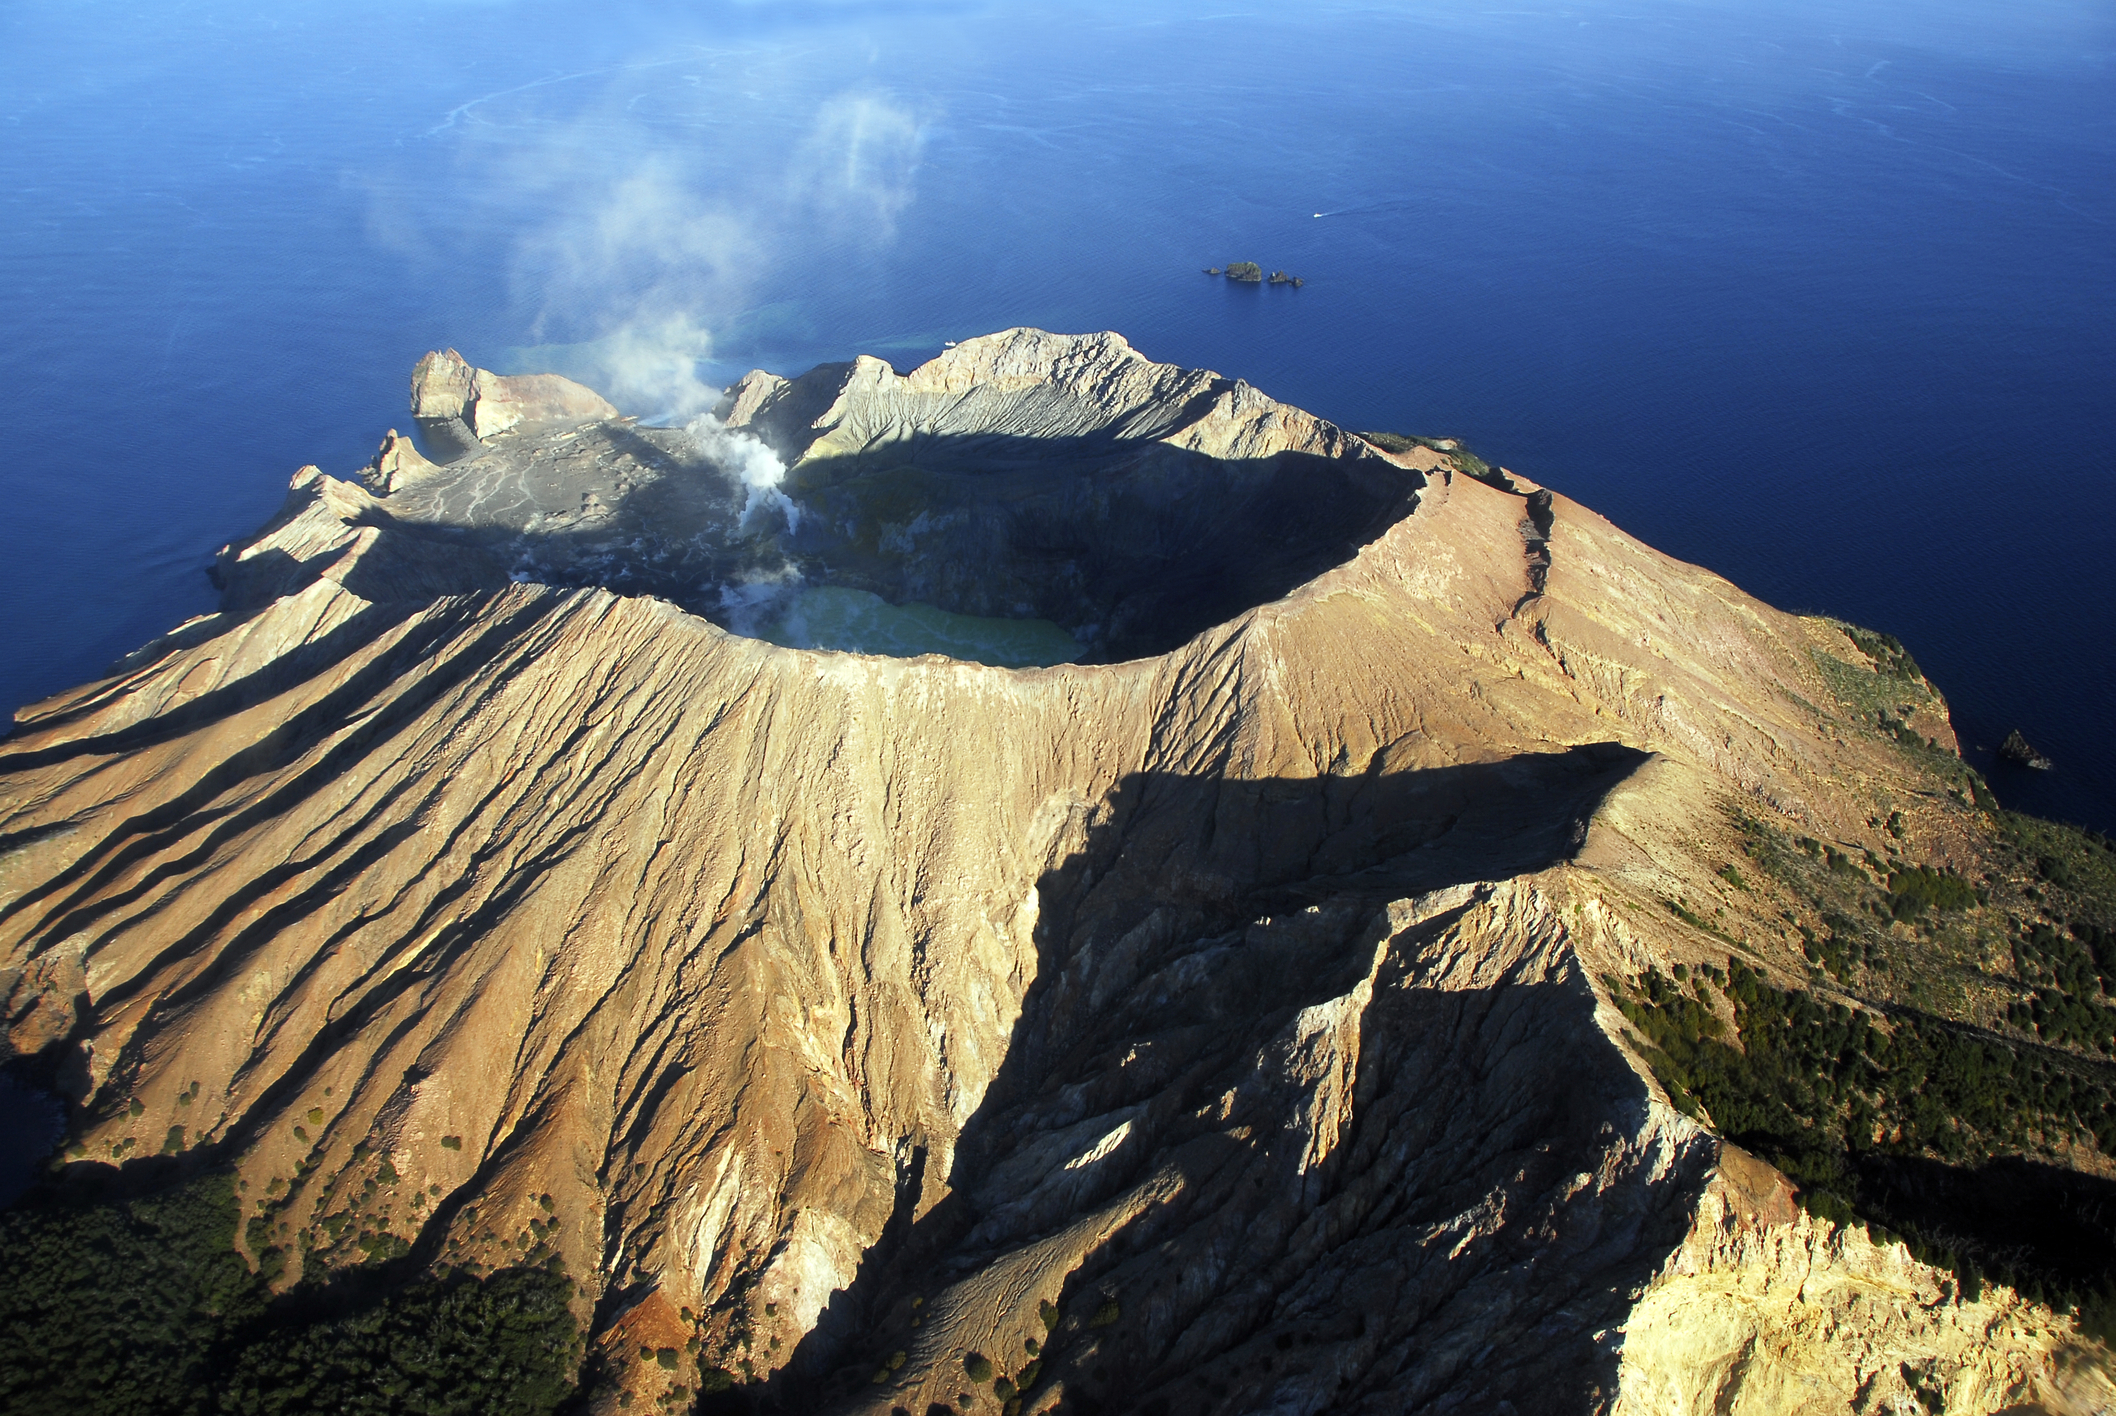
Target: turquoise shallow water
[1814, 292]
[833, 617]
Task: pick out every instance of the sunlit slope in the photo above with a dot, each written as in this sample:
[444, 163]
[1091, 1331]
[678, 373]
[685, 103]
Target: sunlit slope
[1238, 1023]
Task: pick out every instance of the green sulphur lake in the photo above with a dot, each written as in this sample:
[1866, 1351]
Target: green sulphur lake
[832, 617]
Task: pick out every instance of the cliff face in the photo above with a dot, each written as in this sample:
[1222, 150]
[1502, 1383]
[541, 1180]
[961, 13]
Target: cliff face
[1224, 1029]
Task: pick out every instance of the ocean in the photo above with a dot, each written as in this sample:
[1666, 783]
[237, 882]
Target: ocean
[1817, 295]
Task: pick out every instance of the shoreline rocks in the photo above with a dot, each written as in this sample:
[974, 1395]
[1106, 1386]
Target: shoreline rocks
[2016, 749]
[1250, 273]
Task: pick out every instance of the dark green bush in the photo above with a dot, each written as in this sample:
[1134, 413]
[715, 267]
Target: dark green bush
[1695, 921]
[1466, 462]
[978, 1366]
[505, 1344]
[1887, 652]
[1904, 733]
[1841, 951]
[1915, 890]
[117, 1308]
[143, 1306]
[2069, 976]
[1849, 1103]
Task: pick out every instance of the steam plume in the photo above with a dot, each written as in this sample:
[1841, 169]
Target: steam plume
[745, 458]
[652, 241]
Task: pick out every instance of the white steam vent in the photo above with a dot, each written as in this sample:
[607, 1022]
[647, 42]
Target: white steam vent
[745, 458]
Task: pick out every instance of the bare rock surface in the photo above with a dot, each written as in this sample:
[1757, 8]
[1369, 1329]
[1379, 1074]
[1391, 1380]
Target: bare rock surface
[1764, 1311]
[458, 407]
[2016, 749]
[1222, 1027]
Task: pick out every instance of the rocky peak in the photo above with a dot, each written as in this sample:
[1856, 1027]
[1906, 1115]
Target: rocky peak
[458, 406]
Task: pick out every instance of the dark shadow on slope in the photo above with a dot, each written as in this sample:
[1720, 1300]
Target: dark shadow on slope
[2011, 1216]
[1131, 544]
[1198, 918]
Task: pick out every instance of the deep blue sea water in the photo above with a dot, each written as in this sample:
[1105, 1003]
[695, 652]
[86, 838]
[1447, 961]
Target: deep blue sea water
[1819, 295]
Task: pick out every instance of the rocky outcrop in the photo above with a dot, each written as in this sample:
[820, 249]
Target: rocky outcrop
[1023, 475]
[2015, 749]
[458, 406]
[397, 464]
[1764, 1311]
[1221, 1029]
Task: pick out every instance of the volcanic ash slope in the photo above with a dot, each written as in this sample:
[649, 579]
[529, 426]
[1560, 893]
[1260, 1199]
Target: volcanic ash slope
[1217, 1030]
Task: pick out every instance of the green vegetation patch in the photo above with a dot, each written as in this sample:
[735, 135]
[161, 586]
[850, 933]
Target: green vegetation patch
[2069, 973]
[1858, 897]
[1465, 461]
[2079, 863]
[1887, 652]
[1698, 922]
[1917, 889]
[1841, 950]
[1913, 1125]
[1884, 695]
[120, 1307]
[1904, 734]
[142, 1305]
[505, 1344]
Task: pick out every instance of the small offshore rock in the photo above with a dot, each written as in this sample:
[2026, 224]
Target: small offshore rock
[2015, 749]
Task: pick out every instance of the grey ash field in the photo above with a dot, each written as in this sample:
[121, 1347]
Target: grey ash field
[1433, 953]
